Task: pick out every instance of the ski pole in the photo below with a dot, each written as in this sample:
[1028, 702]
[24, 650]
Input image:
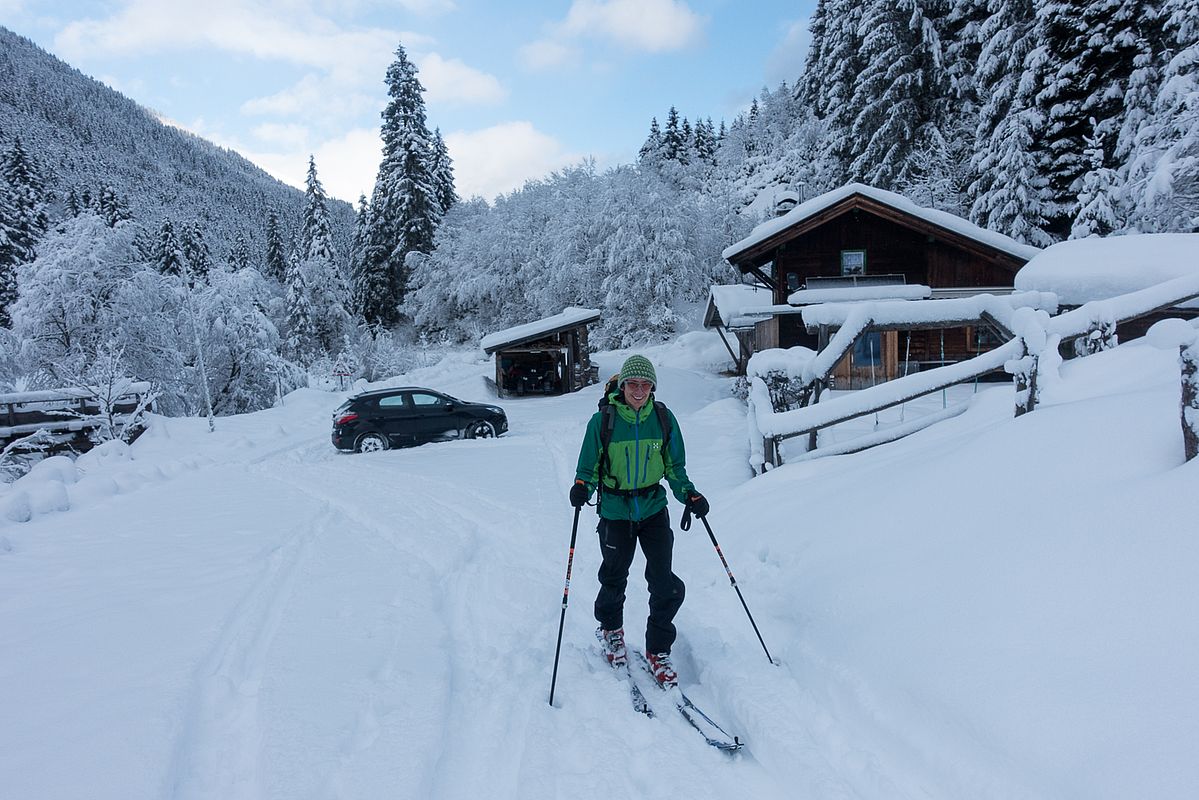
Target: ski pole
[570, 560]
[733, 581]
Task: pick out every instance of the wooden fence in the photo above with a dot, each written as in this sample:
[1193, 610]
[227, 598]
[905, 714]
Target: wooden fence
[1034, 337]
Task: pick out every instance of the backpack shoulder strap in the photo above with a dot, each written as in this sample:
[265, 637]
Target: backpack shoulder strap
[607, 423]
[664, 422]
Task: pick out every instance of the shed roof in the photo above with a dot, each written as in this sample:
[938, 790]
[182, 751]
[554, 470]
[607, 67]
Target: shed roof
[530, 331]
[764, 238]
[729, 306]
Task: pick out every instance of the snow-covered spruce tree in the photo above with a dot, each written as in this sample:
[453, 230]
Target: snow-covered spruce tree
[442, 168]
[834, 61]
[111, 207]
[196, 257]
[1096, 210]
[276, 253]
[1009, 193]
[1090, 52]
[1163, 169]
[327, 290]
[27, 184]
[22, 219]
[168, 255]
[650, 155]
[899, 97]
[301, 345]
[404, 206]
[239, 254]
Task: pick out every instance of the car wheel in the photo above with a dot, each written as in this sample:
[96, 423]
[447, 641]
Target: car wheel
[480, 429]
[371, 443]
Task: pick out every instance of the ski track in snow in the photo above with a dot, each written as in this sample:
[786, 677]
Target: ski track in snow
[398, 642]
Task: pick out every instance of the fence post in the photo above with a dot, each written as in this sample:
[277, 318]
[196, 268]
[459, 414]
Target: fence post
[1190, 398]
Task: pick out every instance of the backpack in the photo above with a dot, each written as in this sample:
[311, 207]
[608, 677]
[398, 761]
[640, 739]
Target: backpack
[609, 422]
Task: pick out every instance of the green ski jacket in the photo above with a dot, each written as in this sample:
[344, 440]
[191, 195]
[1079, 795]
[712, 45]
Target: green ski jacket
[636, 460]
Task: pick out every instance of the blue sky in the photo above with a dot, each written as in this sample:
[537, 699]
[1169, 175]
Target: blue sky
[518, 89]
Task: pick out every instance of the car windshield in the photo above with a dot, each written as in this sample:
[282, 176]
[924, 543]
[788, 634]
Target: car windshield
[343, 407]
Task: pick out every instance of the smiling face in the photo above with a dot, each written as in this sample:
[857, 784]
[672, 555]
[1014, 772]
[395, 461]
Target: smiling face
[636, 392]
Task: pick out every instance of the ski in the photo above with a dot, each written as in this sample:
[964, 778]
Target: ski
[713, 734]
[625, 675]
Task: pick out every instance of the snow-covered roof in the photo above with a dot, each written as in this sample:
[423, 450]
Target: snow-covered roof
[846, 294]
[570, 318]
[731, 303]
[1098, 268]
[941, 219]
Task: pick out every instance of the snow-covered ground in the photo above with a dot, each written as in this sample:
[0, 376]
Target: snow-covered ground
[991, 608]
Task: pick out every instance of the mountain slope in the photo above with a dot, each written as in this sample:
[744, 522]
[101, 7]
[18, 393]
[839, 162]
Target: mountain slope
[85, 134]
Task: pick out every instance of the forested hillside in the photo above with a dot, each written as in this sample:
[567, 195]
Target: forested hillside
[85, 137]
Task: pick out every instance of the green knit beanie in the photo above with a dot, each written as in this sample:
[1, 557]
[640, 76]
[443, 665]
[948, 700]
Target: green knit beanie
[637, 367]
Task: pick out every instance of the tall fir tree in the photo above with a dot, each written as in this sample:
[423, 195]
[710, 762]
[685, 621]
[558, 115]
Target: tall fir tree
[443, 174]
[301, 343]
[11, 255]
[1163, 167]
[239, 254]
[404, 206]
[111, 207]
[834, 62]
[899, 97]
[650, 154]
[316, 235]
[23, 219]
[326, 287]
[1009, 193]
[27, 185]
[1065, 84]
[168, 255]
[196, 256]
[276, 253]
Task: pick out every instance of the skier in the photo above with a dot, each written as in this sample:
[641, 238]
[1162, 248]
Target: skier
[631, 443]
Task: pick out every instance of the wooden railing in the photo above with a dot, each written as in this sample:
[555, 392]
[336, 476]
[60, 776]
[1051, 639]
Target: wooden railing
[1035, 338]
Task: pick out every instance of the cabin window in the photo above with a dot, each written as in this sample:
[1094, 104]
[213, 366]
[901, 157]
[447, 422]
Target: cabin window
[853, 262]
[868, 350]
[792, 281]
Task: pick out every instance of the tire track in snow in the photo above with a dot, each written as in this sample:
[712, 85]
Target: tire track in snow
[217, 753]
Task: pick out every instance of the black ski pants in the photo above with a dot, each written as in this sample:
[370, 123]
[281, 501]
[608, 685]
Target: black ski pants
[618, 543]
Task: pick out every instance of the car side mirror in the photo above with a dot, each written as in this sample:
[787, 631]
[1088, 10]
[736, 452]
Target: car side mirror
[449, 406]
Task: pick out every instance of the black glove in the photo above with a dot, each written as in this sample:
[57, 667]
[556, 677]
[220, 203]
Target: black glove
[579, 494]
[698, 505]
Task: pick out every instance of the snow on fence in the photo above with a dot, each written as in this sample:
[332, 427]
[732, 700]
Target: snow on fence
[56, 416]
[1031, 351]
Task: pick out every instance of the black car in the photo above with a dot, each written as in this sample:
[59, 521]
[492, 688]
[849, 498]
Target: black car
[388, 418]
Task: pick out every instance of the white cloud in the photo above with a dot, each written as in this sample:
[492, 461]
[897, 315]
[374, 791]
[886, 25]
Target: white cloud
[450, 81]
[266, 29]
[547, 54]
[314, 97]
[295, 137]
[651, 25]
[346, 165]
[499, 159]
[786, 61]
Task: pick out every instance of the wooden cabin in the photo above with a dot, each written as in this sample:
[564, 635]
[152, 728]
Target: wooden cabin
[858, 236]
[545, 357]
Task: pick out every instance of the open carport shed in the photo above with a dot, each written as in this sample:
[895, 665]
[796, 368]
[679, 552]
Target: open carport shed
[547, 356]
